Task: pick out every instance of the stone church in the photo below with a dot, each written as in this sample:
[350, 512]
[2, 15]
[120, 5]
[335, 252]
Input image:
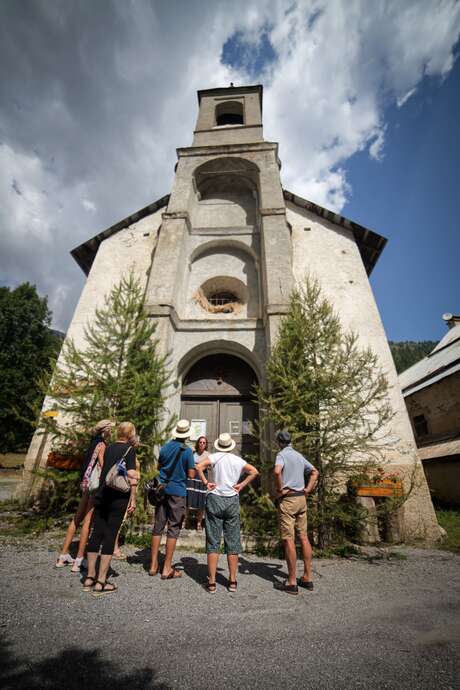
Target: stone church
[218, 257]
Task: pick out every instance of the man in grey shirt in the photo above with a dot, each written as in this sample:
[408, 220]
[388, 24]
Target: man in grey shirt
[290, 470]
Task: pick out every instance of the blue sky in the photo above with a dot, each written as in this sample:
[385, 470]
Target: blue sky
[411, 197]
[362, 97]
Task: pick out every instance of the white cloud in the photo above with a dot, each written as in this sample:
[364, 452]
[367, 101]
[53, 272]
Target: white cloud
[96, 101]
[402, 100]
[89, 205]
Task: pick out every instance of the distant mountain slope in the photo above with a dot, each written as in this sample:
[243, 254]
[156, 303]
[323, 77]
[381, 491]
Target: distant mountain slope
[408, 352]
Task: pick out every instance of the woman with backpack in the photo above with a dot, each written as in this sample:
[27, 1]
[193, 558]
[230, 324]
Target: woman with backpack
[92, 463]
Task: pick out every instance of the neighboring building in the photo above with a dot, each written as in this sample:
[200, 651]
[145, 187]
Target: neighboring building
[218, 258]
[431, 390]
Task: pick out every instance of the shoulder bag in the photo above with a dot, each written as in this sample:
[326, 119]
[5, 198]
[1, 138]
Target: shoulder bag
[117, 476]
[155, 490]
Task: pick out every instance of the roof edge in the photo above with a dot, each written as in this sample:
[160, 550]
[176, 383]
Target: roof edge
[370, 243]
[85, 253]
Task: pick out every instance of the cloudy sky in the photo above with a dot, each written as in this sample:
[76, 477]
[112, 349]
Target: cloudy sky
[363, 98]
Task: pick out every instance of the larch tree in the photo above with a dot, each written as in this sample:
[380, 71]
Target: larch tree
[331, 394]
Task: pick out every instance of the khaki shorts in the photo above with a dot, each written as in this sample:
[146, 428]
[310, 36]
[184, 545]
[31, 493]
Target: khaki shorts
[292, 515]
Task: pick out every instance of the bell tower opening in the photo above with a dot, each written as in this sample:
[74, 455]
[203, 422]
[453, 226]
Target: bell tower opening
[229, 113]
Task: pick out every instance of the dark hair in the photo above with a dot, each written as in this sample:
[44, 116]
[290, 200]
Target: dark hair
[198, 441]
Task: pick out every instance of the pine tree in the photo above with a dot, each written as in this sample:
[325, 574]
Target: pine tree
[27, 347]
[118, 374]
[330, 394]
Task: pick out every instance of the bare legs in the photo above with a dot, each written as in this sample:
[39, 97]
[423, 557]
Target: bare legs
[307, 556]
[84, 534]
[291, 558]
[156, 539]
[213, 559]
[104, 565]
[232, 561]
[82, 510]
[169, 553]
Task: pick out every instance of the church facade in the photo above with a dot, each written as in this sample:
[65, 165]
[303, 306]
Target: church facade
[218, 257]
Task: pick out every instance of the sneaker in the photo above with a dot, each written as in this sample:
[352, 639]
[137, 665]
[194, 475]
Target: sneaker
[76, 565]
[64, 559]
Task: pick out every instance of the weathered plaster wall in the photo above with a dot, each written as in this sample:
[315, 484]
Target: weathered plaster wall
[129, 249]
[330, 253]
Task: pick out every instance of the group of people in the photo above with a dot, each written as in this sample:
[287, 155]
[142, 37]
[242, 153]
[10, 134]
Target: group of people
[213, 482]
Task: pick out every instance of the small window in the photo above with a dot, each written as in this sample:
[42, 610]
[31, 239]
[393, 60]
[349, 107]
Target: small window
[421, 425]
[229, 113]
[219, 299]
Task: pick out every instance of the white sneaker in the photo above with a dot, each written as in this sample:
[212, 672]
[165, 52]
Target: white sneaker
[64, 559]
[76, 565]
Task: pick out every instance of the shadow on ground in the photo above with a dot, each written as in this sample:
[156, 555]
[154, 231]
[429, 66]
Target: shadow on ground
[73, 669]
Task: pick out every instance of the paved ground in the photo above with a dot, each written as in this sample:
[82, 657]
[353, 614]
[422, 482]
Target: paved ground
[385, 624]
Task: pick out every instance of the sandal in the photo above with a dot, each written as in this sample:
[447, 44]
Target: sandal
[211, 587]
[232, 586]
[107, 588]
[154, 572]
[88, 588]
[172, 575]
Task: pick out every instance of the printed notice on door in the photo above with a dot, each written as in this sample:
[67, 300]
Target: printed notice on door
[197, 429]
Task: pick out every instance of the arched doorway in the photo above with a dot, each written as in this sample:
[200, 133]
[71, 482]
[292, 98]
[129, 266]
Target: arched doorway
[217, 396]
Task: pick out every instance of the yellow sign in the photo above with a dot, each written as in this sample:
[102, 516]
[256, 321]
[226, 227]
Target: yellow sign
[51, 413]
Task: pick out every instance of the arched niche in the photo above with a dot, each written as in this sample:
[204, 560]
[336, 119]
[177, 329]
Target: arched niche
[222, 266]
[226, 194]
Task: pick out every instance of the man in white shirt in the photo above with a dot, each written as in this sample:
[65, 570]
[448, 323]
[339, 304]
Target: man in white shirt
[223, 507]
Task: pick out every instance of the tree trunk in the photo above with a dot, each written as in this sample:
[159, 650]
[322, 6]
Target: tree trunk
[322, 529]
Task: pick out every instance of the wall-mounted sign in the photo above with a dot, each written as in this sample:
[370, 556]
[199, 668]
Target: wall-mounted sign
[234, 428]
[197, 429]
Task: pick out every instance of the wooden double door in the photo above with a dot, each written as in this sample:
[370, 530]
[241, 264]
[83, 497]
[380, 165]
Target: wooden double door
[235, 416]
[217, 397]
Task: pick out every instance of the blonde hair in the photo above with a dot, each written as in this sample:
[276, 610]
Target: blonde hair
[126, 430]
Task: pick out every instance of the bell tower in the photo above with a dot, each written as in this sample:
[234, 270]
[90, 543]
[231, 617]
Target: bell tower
[227, 197]
[228, 116]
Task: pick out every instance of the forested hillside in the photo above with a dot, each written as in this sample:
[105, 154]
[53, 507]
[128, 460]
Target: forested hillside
[407, 352]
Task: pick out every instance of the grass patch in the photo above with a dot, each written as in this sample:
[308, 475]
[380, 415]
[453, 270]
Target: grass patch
[449, 519]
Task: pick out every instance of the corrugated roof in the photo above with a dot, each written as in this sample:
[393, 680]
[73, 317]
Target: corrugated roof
[443, 361]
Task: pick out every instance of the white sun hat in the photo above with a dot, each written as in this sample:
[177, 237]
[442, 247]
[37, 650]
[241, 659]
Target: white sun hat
[182, 429]
[224, 443]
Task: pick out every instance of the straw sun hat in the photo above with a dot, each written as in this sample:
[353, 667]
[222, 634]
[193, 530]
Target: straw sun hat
[224, 443]
[182, 429]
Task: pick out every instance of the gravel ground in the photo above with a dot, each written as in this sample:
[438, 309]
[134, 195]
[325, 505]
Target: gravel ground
[382, 624]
